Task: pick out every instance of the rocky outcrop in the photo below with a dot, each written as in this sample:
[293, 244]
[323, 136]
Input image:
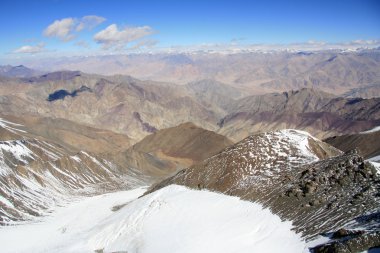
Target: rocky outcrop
[346, 241]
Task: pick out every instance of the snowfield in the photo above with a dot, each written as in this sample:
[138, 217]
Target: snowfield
[173, 219]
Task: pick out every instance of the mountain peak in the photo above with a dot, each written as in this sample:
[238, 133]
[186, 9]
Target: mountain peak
[20, 71]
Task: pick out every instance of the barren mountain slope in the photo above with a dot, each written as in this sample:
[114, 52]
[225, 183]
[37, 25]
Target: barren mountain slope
[138, 108]
[72, 136]
[121, 104]
[367, 143]
[311, 110]
[216, 95]
[166, 151]
[186, 144]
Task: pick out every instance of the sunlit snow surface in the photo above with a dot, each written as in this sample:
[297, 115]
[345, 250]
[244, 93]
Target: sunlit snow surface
[375, 129]
[173, 219]
[376, 165]
[374, 159]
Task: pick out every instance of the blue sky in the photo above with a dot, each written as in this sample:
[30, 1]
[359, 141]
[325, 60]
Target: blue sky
[137, 25]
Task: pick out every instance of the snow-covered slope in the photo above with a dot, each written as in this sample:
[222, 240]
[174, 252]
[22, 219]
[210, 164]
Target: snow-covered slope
[173, 219]
[36, 175]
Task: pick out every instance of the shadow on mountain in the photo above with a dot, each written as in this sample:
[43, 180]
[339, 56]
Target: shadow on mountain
[61, 94]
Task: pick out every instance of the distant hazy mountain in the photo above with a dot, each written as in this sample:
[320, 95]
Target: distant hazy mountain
[214, 94]
[370, 91]
[258, 72]
[17, 71]
[54, 76]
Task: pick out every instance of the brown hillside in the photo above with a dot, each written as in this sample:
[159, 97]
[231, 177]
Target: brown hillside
[367, 144]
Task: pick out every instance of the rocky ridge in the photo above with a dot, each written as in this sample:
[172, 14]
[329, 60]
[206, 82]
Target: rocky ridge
[298, 177]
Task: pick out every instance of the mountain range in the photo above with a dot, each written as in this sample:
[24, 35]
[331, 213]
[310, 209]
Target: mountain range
[137, 108]
[248, 151]
[334, 71]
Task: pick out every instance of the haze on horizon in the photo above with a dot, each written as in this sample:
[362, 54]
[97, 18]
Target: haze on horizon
[56, 28]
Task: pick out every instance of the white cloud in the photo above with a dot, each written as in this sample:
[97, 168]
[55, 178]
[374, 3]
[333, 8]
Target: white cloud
[233, 47]
[89, 22]
[364, 42]
[64, 29]
[61, 28]
[82, 43]
[30, 49]
[112, 37]
[144, 44]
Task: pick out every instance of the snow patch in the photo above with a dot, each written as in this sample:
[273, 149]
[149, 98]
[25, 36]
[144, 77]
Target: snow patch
[10, 126]
[377, 166]
[375, 129]
[76, 158]
[17, 149]
[6, 202]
